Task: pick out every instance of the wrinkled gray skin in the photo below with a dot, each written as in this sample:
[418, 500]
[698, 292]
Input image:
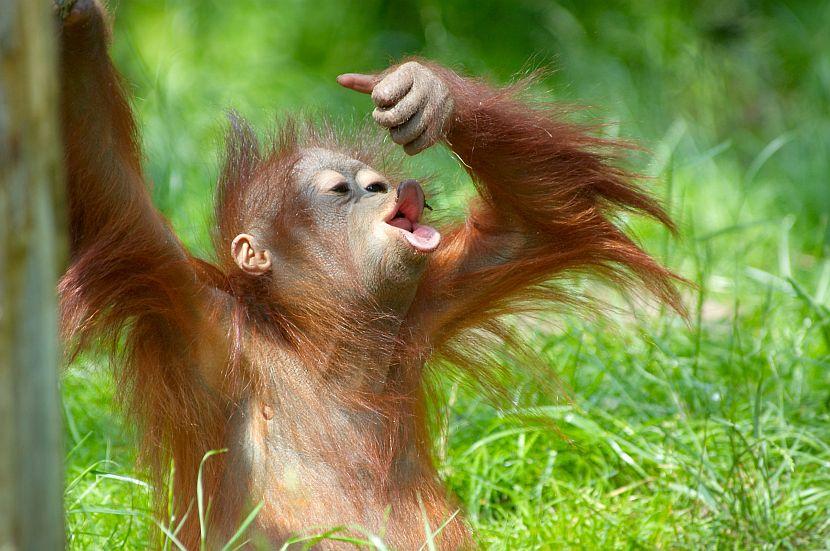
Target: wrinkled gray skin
[414, 104]
[351, 201]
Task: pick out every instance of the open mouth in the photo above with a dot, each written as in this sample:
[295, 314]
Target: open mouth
[405, 218]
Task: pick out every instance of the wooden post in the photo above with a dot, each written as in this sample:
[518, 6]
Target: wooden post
[31, 253]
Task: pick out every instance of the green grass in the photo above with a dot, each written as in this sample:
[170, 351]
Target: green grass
[712, 434]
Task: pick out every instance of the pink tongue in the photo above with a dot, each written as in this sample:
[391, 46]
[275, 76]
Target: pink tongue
[402, 223]
[423, 238]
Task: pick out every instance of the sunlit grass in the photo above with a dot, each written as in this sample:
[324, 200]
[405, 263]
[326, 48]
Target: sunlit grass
[712, 434]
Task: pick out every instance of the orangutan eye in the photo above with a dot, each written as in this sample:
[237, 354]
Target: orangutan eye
[377, 187]
[342, 187]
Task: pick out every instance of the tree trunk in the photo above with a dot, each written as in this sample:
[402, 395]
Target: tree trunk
[31, 253]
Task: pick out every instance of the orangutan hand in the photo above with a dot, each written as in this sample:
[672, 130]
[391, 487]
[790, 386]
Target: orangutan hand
[411, 101]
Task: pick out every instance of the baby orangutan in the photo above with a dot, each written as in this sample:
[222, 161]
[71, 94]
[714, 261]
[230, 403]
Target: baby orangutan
[302, 349]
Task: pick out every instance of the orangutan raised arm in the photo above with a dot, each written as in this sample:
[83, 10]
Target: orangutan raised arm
[548, 196]
[129, 276]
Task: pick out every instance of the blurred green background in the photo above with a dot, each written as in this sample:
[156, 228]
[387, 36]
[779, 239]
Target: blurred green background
[713, 434]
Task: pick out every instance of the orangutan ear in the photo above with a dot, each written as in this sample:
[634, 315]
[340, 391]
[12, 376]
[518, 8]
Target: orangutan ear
[249, 257]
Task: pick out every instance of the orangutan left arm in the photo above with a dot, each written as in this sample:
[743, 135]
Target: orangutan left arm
[549, 196]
